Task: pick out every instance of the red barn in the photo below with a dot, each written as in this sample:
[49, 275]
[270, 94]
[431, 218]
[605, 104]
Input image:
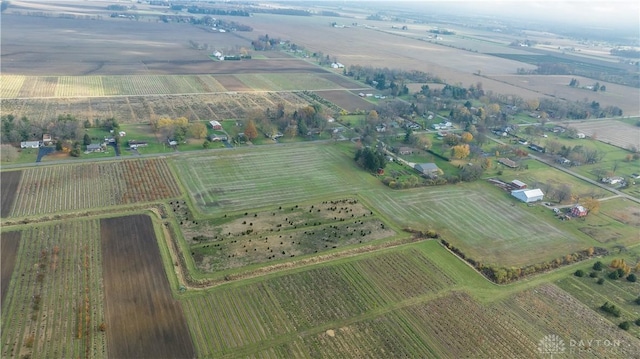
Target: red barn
[578, 211]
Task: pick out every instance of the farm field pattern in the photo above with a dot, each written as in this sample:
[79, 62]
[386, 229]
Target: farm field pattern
[118, 258]
[54, 189]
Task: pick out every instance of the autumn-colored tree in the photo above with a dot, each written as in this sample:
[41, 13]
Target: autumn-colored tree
[493, 108]
[460, 151]
[533, 104]
[422, 142]
[592, 205]
[250, 130]
[467, 137]
[486, 163]
[291, 131]
[372, 117]
[198, 130]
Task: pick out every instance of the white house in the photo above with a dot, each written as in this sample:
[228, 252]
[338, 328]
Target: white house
[528, 195]
[30, 144]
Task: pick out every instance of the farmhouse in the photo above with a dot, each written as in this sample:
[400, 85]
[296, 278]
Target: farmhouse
[133, 144]
[405, 150]
[216, 138]
[46, 139]
[428, 169]
[29, 144]
[578, 211]
[215, 125]
[94, 147]
[528, 195]
[612, 180]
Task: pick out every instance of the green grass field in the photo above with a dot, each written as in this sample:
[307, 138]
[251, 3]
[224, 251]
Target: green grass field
[485, 222]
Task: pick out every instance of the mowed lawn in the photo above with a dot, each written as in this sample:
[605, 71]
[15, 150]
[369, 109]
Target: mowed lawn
[288, 174]
[486, 223]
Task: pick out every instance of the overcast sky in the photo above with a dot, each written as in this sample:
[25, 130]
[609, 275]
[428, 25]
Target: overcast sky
[612, 14]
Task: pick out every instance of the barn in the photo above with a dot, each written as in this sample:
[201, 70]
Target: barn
[578, 211]
[528, 195]
[215, 125]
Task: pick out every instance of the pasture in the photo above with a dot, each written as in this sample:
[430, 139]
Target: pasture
[278, 234]
[486, 223]
[230, 181]
[144, 320]
[91, 185]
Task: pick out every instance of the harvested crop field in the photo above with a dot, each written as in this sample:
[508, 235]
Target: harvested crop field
[54, 305]
[346, 100]
[139, 109]
[92, 185]
[9, 242]
[99, 47]
[10, 182]
[232, 83]
[613, 132]
[343, 81]
[144, 321]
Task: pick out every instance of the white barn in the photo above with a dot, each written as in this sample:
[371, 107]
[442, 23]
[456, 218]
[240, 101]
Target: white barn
[528, 195]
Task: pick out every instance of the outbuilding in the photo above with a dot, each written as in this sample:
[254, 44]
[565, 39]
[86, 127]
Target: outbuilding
[528, 195]
[578, 211]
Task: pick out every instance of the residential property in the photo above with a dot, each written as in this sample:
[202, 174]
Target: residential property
[428, 169]
[405, 150]
[217, 138]
[29, 144]
[578, 211]
[612, 180]
[215, 125]
[133, 144]
[94, 147]
[528, 195]
[46, 139]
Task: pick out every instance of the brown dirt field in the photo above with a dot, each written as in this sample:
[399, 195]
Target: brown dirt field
[346, 100]
[232, 83]
[8, 249]
[57, 46]
[10, 182]
[611, 131]
[558, 86]
[274, 54]
[143, 319]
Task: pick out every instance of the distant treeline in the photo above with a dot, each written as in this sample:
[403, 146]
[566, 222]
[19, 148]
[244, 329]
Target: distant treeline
[214, 11]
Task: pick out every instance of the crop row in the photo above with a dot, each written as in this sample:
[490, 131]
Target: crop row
[74, 187]
[387, 336]
[461, 327]
[72, 86]
[58, 269]
[402, 275]
[10, 85]
[236, 317]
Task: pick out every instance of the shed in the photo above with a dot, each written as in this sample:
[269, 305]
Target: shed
[528, 195]
[215, 125]
[578, 211]
[429, 169]
[519, 184]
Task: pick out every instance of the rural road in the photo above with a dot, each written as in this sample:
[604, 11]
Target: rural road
[577, 175]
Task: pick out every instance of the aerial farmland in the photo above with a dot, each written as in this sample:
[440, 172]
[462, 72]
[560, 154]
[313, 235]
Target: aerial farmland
[301, 180]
